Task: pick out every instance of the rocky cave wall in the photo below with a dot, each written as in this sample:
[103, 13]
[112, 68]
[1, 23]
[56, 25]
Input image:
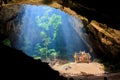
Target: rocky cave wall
[104, 40]
[104, 12]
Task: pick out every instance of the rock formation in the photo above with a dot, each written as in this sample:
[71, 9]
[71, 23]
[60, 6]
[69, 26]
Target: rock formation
[104, 39]
[104, 12]
[15, 64]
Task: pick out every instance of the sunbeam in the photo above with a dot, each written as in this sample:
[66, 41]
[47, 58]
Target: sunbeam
[48, 33]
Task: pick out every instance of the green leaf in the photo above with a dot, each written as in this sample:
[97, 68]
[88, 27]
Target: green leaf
[51, 50]
[42, 51]
[37, 57]
[54, 54]
[7, 42]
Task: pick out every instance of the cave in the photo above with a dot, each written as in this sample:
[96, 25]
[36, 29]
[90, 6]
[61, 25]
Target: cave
[46, 35]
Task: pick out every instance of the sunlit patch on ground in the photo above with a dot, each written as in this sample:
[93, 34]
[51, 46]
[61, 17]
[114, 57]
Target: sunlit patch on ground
[76, 69]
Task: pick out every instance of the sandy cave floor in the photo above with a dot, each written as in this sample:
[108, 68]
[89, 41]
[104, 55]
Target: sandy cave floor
[85, 71]
[74, 69]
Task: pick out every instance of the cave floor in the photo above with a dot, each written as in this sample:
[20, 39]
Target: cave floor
[73, 69]
[85, 71]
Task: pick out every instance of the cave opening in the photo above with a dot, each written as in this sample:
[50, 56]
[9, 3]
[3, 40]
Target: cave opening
[51, 35]
[45, 33]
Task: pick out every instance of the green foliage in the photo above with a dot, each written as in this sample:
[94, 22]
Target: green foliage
[7, 42]
[45, 22]
[55, 20]
[37, 57]
[43, 34]
[42, 50]
[51, 50]
[54, 54]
